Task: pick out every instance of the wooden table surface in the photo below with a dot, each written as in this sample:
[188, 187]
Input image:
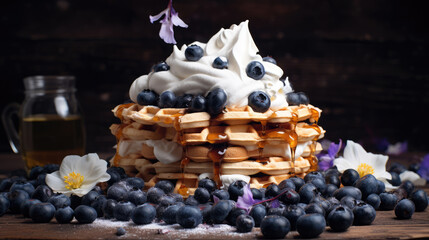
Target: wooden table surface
[385, 226]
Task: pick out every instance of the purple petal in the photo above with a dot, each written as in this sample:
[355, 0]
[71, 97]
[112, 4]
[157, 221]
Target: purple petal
[246, 201]
[166, 33]
[325, 165]
[176, 20]
[159, 15]
[334, 149]
[275, 203]
[215, 199]
[424, 168]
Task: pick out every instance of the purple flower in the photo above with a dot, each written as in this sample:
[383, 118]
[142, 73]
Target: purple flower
[326, 160]
[171, 17]
[246, 201]
[424, 168]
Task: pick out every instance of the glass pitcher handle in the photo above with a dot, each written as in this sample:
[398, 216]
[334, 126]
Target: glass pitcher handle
[7, 118]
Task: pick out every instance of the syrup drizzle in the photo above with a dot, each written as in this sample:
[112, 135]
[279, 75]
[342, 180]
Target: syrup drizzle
[216, 154]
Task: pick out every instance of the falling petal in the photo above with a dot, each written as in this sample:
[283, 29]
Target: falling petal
[166, 33]
[152, 19]
[176, 20]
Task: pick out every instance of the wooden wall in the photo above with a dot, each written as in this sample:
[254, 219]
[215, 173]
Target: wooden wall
[363, 62]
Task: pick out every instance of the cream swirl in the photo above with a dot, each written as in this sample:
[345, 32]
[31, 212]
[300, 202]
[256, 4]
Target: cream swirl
[199, 77]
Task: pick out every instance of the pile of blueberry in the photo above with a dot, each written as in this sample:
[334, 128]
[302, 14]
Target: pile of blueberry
[216, 99]
[306, 205]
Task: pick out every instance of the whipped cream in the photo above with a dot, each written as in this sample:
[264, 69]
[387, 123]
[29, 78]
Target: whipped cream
[199, 77]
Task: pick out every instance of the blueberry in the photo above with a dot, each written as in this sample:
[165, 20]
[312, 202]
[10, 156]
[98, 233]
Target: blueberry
[255, 70]
[98, 204]
[276, 210]
[364, 214]
[85, 214]
[16, 198]
[147, 97]
[388, 201]
[34, 172]
[293, 99]
[397, 168]
[75, 201]
[287, 183]
[244, 223]
[206, 210]
[307, 192]
[167, 99]
[60, 201]
[348, 201]
[319, 183]
[232, 216]
[349, 177]
[120, 231]
[221, 210]
[289, 196]
[208, 184]
[221, 194]
[333, 179]
[292, 213]
[367, 185]
[5, 185]
[123, 210]
[177, 197]
[272, 190]
[162, 66]
[258, 212]
[191, 201]
[194, 53]
[4, 205]
[420, 199]
[167, 200]
[64, 215]
[169, 215]
[269, 59]
[25, 206]
[154, 194]
[50, 168]
[160, 210]
[340, 218]
[396, 180]
[189, 216]
[404, 209]
[259, 101]
[220, 63]
[42, 212]
[118, 191]
[114, 177]
[299, 182]
[235, 189]
[165, 185]
[275, 227]
[408, 186]
[414, 167]
[88, 198]
[26, 186]
[330, 189]
[216, 101]
[310, 225]
[314, 208]
[256, 193]
[184, 101]
[43, 193]
[312, 175]
[197, 104]
[202, 195]
[374, 200]
[348, 191]
[303, 99]
[41, 179]
[137, 197]
[380, 187]
[143, 214]
[108, 208]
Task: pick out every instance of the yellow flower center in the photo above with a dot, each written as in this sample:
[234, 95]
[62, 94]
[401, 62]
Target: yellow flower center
[73, 180]
[365, 169]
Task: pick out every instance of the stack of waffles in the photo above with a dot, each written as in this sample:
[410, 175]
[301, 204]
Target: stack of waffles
[264, 147]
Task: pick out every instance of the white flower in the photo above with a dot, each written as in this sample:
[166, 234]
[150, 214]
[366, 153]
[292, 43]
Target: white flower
[355, 157]
[78, 175]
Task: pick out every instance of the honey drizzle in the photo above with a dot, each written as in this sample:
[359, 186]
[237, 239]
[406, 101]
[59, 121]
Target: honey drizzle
[216, 154]
[313, 159]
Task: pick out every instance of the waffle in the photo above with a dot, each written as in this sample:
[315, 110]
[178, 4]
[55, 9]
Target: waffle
[259, 145]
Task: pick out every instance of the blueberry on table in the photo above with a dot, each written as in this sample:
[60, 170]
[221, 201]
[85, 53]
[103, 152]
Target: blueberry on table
[162, 66]
[289, 196]
[120, 231]
[408, 186]
[367, 185]
[364, 214]
[43, 193]
[374, 200]
[167, 99]
[194, 53]
[314, 208]
[88, 198]
[123, 210]
[34, 172]
[299, 182]
[310, 225]
[244, 223]
[85, 214]
[189, 216]
[420, 199]
[233, 215]
[16, 198]
[388, 201]
[137, 197]
[396, 180]
[307, 192]
[340, 218]
[274, 227]
[381, 187]
[349, 177]
[258, 212]
[169, 215]
[287, 183]
[216, 101]
[108, 208]
[329, 191]
[256, 193]
[319, 183]
[25, 207]
[98, 204]
[154, 195]
[167, 200]
[220, 63]
[272, 190]
[405, 209]
[165, 185]
[208, 184]
[259, 101]
[269, 59]
[235, 189]
[143, 214]
[26, 186]
[191, 201]
[197, 104]
[292, 213]
[348, 191]
[255, 70]
[118, 192]
[220, 211]
[42, 212]
[221, 194]
[4, 205]
[64, 215]
[5, 185]
[60, 201]
[202, 195]
[312, 175]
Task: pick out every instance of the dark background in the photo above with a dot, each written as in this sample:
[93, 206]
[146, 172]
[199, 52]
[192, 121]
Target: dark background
[364, 63]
